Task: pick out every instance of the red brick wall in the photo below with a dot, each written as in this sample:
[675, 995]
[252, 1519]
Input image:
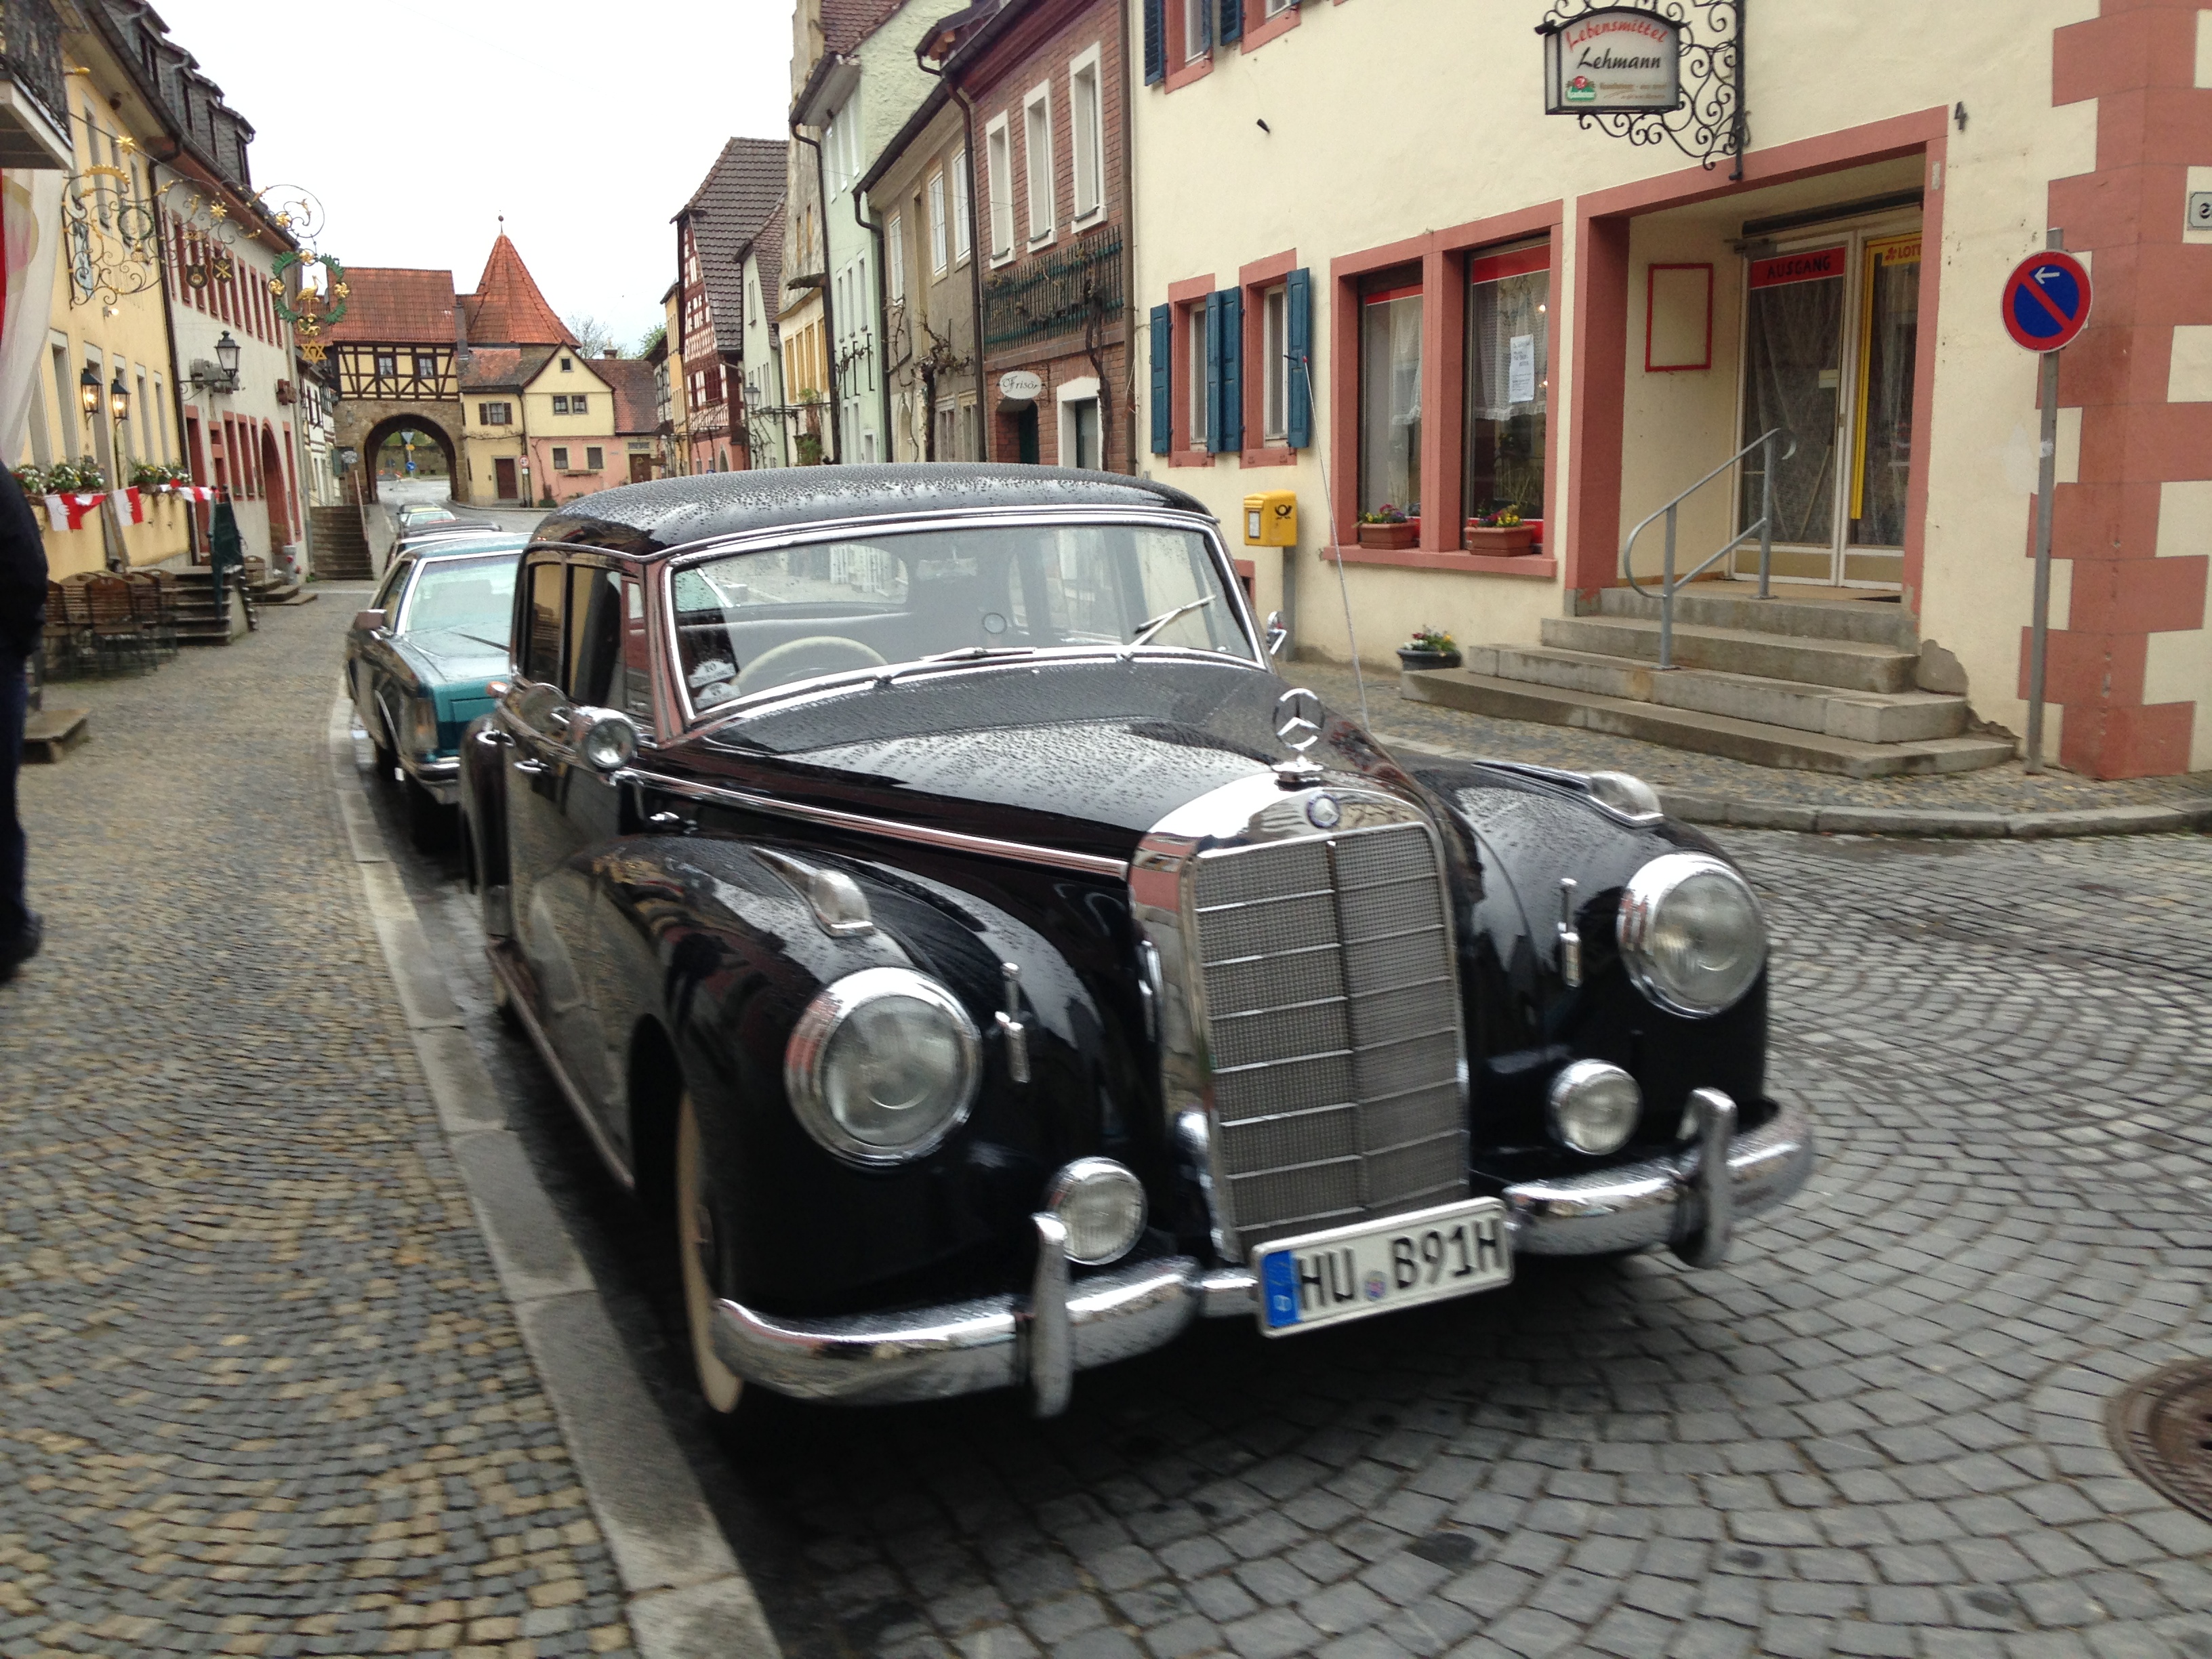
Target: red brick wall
[1039, 49]
[2137, 60]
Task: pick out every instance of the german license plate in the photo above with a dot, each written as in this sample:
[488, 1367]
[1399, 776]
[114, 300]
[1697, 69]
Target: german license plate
[1379, 1267]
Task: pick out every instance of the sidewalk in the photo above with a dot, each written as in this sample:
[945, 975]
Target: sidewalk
[1711, 789]
[263, 1392]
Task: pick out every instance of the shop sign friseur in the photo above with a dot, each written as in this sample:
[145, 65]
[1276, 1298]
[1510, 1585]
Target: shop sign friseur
[1619, 60]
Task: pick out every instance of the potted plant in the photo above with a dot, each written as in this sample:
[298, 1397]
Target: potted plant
[1390, 526]
[1430, 648]
[1499, 532]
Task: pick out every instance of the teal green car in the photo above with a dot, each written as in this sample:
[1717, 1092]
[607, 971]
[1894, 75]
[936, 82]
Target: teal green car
[426, 658]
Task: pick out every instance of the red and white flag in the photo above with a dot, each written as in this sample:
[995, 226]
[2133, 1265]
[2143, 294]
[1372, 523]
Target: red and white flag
[130, 505]
[193, 492]
[70, 511]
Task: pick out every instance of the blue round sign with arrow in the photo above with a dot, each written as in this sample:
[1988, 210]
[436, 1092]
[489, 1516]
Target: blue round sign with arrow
[2046, 300]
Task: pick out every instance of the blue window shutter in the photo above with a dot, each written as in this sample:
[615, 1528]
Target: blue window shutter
[1163, 378]
[1298, 344]
[1156, 41]
[1230, 437]
[1205, 22]
[1232, 19]
[1213, 371]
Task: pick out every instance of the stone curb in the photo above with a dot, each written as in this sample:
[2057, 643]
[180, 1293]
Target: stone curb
[1815, 819]
[688, 1595]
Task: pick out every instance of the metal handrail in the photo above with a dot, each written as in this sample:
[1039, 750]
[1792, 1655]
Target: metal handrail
[1763, 527]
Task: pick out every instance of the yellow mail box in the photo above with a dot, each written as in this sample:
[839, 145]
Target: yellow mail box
[1271, 518]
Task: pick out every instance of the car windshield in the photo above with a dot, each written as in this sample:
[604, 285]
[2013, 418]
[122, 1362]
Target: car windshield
[470, 596]
[753, 621]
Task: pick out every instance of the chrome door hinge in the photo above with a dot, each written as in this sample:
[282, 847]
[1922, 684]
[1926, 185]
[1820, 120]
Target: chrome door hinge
[1571, 941]
[1011, 1027]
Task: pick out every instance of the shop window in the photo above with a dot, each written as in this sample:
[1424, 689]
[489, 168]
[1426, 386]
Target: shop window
[1390, 390]
[1508, 387]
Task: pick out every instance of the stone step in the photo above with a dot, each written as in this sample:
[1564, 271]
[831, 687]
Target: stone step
[1852, 664]
[1737, 605]
[1868, 716]
[49, 733]
[1755, 742]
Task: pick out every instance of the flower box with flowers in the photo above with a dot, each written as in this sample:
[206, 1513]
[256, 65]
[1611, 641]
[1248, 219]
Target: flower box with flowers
[1501, 533]
[1390, 527]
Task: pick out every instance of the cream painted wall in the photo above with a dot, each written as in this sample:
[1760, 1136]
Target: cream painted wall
[2178, 665]
[1215, 190]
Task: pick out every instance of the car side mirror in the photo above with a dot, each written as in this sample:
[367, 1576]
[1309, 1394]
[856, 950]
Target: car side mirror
[368, 621]
[605, 738]
[1279, 633]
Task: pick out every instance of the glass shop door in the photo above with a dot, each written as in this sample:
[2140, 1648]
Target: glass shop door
[1831, 325]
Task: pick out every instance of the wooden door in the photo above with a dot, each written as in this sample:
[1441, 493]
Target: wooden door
[503, 470]
[640, 468]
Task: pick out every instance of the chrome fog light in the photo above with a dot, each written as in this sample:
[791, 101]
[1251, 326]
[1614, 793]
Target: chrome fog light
[1690, 933]
[883, 1066]
[607, 741]
[1593, 1107]
[1101, 1205]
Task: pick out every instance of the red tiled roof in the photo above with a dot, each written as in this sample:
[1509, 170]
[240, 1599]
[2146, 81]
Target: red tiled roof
[507, 309]
[637, 398]
[502, 369]
[390, 306]
[740, 198]
[845, 23]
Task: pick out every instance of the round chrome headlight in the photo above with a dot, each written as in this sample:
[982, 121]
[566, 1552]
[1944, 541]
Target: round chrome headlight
[608, 741]
[883, 1066]
[1101, 1205]
[1593, 1107]
[1690, 933]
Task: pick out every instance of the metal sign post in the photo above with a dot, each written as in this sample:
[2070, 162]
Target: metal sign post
[2046, 303]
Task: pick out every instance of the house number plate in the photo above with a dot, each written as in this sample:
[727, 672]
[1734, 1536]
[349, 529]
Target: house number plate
[1379, 1267]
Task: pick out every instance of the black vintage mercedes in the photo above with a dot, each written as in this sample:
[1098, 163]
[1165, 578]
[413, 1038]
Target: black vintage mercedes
[934, 904]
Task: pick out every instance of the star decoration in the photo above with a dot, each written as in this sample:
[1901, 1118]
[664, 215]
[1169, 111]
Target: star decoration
[341, 290]
[218, 211]
[127, 144]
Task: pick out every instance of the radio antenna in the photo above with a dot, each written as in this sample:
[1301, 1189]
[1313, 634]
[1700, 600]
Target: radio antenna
[1328, 500]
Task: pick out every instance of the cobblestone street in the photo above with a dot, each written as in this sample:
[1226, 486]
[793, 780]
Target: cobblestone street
[259, 1390]
[262, 1390]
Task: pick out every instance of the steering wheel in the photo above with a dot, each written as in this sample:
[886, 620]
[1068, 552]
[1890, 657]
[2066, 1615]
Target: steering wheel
[799, 659]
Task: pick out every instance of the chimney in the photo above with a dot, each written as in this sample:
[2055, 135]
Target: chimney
[611, 351]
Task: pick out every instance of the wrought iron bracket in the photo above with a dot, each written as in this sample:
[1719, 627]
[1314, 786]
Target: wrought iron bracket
[1711, 122]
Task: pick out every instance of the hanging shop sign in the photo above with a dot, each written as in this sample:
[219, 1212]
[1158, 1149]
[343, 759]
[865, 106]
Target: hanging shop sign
[1619, 60]
[1020, 385]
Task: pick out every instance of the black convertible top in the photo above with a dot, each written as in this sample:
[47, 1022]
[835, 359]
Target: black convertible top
[671, 513]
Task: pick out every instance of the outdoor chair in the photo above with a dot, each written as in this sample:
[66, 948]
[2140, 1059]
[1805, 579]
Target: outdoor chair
[67, 636]
[118, 634]
[156, 605]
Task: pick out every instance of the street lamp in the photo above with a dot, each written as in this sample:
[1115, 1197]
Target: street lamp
[226, 353]
[118, 399]
[88, 389]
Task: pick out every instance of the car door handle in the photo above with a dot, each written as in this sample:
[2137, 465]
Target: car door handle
[530, 767]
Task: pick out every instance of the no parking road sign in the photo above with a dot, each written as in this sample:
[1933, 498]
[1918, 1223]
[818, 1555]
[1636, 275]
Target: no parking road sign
[2046, 300]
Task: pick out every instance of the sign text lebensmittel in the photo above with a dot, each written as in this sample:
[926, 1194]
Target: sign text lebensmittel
[1617, 60]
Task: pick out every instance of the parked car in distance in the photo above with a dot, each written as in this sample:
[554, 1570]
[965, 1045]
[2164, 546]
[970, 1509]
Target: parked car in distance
[424, 657]
[939, 913]
[422, 515]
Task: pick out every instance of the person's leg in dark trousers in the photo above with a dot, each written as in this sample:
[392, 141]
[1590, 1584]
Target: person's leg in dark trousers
[19, 928]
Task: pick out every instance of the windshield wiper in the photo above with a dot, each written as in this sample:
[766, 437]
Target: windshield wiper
[964, 653]
[1143, 635]
[496, 645]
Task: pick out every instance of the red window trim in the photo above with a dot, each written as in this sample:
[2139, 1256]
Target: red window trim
[1180, 73]
[1257, 35]
[1496, 267]
[1183, 298]
[1255, 279]
[1444, 256]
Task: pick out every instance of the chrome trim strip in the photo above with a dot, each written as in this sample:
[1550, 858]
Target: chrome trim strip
[515, 975]
[1660, 1201]
[1089, 863]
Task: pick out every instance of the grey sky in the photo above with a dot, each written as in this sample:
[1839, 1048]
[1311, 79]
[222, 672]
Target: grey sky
[417, 126]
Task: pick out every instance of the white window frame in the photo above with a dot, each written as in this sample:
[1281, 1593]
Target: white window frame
[939, 243]
[998, 167]
[1086, 118]
[1195, 327]
[1036, 120]
[1067, 396]
[1197, 44]
[964, 211]
[1277, 8]
[895, 255]
[1274, 374]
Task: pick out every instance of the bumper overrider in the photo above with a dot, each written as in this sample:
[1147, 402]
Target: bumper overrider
[1690, 1201]
[439, 775]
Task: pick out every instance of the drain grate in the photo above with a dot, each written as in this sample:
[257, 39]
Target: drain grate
[2162, 1425]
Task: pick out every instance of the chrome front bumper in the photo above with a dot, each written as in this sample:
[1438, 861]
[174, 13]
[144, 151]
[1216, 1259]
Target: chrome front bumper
[440, 778]
[1064, 1326]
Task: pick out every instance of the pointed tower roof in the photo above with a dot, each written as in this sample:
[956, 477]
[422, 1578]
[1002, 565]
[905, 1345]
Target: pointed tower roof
[507, 309]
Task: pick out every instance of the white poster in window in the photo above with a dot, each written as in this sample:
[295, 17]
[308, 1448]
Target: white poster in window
[1520, 370]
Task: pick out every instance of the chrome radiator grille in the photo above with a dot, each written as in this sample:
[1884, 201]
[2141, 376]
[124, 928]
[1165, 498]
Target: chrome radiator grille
[1333, 1028]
